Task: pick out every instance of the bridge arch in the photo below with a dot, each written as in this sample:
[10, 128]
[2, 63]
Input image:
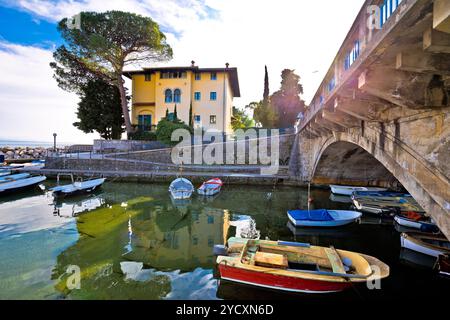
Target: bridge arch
[391, 164]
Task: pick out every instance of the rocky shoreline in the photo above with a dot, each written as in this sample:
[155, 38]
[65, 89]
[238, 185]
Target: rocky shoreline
[17, 153]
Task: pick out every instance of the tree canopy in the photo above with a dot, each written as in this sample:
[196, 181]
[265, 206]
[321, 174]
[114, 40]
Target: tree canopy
[99, 110]
[287, 101]
[105, 44]
[240, 120]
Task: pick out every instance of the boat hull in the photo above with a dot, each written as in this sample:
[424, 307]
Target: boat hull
[181, 195]
[348, 190]
[279, 282]
[19, 185]
[418, 246]
[326, 224]
[420, 225]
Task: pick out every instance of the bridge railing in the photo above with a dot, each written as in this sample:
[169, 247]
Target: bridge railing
[371, 20]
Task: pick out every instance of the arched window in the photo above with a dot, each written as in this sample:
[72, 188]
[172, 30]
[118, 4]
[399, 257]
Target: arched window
[168, 94]
[177, 96]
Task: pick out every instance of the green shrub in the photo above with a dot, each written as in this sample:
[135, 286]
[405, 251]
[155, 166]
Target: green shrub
[142, 136]
[166, 127]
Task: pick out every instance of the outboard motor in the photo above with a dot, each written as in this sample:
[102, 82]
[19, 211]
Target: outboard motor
[220, 250]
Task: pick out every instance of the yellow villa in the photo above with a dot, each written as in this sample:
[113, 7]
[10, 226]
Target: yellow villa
[210, 91]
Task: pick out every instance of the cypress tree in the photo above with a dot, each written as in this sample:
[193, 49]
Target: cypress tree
[191, 124]
[167, 114]
[175, 114]
[266, 86]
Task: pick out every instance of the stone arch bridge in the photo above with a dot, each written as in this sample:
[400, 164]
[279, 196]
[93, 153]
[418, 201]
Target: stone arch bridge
[382, 113]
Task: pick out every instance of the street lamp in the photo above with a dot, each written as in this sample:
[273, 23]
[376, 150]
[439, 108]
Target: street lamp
[54, 142]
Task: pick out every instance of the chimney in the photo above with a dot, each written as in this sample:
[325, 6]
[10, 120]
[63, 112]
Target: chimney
[227, 65]
[192, 63]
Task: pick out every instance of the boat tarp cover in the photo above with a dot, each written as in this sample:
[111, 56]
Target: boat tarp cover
[312, 215]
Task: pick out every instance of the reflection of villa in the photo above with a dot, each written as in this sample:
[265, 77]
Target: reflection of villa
[210, 92]
[169, 242]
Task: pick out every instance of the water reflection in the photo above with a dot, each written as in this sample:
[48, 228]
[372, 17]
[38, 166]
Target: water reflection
[131, 241]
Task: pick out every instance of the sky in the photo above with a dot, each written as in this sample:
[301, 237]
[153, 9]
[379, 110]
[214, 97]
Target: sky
[304, 35]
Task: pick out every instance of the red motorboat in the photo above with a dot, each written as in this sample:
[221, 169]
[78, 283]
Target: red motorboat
[297, 267]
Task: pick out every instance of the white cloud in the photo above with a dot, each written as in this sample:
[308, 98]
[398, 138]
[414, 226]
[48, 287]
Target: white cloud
[301, 35]
[32, 106]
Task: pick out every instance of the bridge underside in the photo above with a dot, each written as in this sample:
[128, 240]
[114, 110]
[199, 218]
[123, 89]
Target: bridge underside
[385, 118]
[348, 164]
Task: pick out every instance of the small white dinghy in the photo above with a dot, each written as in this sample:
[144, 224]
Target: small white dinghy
[322, 218]
[77, 187]
[210, 187]
[428, 244]
[181, 188]
[348, 190]
[21, 184]
[14, 177]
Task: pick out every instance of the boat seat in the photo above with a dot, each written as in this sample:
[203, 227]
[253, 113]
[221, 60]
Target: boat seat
[271, 260]
[335, 260]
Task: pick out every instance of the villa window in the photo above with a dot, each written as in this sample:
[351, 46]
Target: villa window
[212, 119]
[148, 77]
[213, 96]
[177, 96]
[173, 75]
[198, 76]
[213, 76]
[168, 96]
[197, 96]
[197, 119]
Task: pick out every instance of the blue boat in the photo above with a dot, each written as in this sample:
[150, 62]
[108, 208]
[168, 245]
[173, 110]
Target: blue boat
[322, 217]
[13, 177]
[22, 184]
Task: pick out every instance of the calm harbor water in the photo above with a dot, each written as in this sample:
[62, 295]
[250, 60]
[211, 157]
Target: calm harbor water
[131, 241]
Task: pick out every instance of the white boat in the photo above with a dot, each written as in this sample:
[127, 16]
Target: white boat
[13, 177]
[77, 187]
[21, 184]
[348, 190]
[210, 187]
[416, 221]
[428, 244]
[181, 188]
[322, 218]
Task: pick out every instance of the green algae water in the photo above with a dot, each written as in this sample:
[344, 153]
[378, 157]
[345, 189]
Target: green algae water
[131, 241]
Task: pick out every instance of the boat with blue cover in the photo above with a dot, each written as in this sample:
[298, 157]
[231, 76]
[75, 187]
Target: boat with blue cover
[322, 217]
[78, 187]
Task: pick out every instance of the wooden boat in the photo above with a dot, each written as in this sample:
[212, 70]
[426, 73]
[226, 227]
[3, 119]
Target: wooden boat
[210, 187]
[443, 265]
[296, 267]
[384, 203]
[415, 220]
[348, 190]
[16, 185]
[13, 177]
[181, 188]
[429, 244]
[322, 217]
[78, 187]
